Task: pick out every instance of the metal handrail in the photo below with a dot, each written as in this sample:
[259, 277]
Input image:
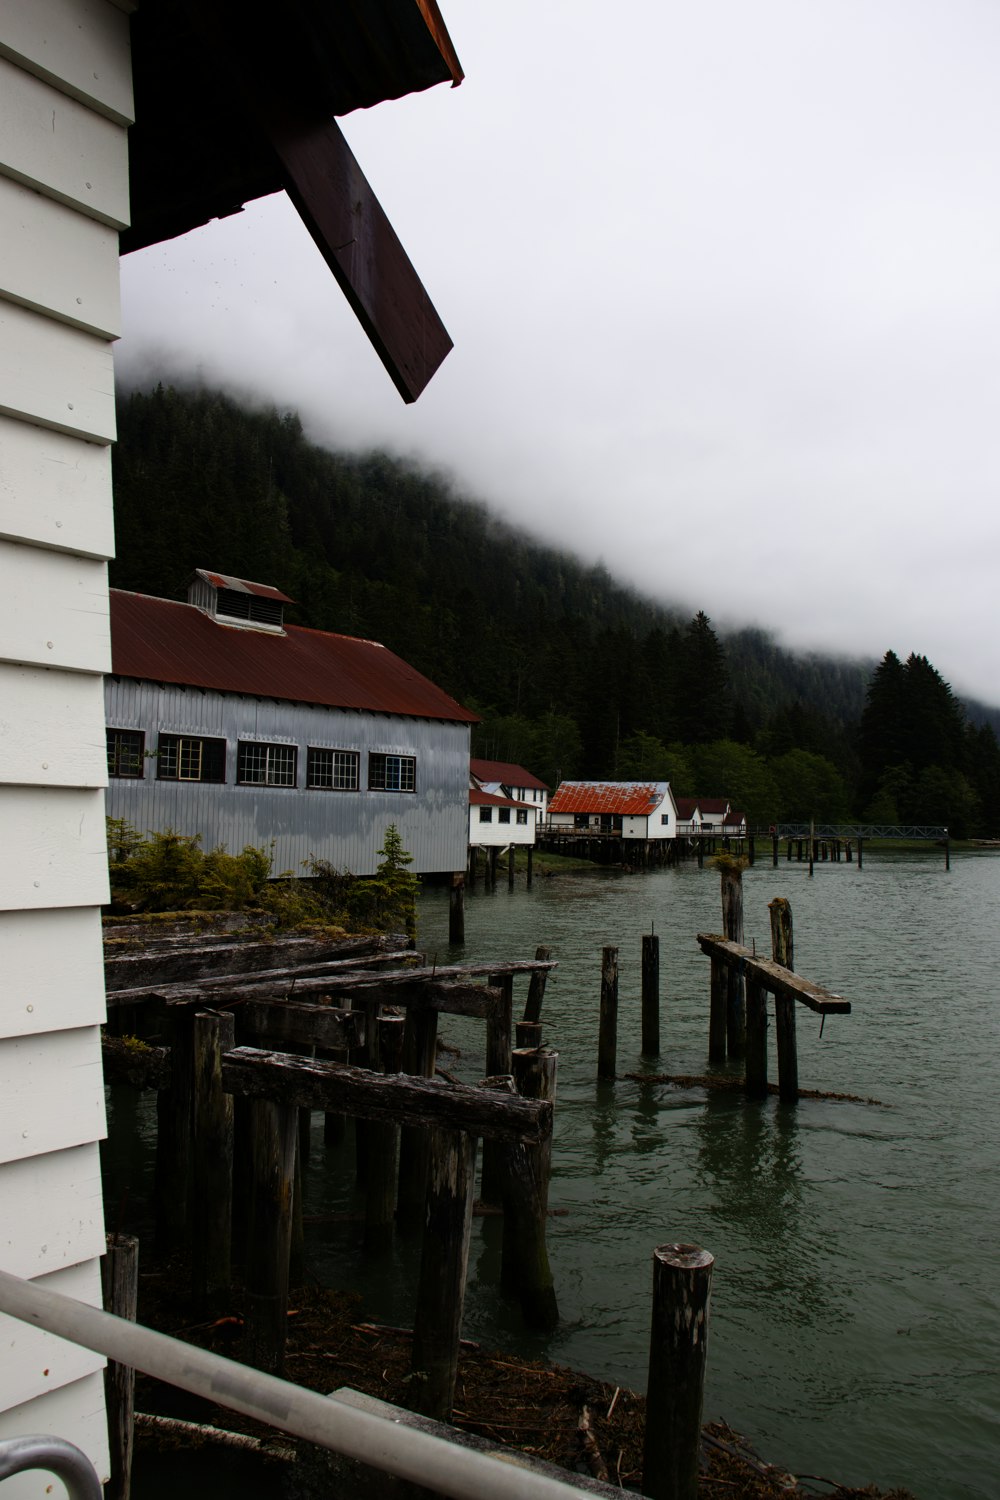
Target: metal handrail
[381, 1442]
[65, 1460]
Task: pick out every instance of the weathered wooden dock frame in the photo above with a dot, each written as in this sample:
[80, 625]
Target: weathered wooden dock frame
[762, 976]
[204, 1071]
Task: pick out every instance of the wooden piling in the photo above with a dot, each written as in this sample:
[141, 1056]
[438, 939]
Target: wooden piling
[783, 952]
[499, 1047]
[731, 872]
[774, 849]
[861, 851]
[525, 1267]
[527, 1034]
[214, 1033]
[120, 1288]
[274, 1132]
[678, 1347]
[419, 1060]
[174, 1120]
[650, 995]
[456, 909]
[536, 987]
[383, 1148]
[510, 868]
[718, 1013]
[444, 1260]
[756, 1049]
[529, 874]
[607, 1044]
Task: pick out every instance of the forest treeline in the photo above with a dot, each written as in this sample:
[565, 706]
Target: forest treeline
[572, 673]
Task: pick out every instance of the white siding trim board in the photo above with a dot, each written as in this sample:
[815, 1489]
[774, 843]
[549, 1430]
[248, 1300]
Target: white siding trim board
[60, 146]
[53, 971]
[54, 490]
[80, 47]
[54, 260]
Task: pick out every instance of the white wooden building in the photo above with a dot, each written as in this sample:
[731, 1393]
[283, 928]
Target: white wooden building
[496, 821]
[505, 779]
[623, 809]
[264, 121]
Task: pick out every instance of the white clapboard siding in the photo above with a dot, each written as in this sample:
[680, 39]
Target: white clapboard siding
[79, 46]
[55, 260]
[51, 1092]
[54, 848]
[62, 147]
[76, 1409]
[35, 1362]
[52, 972]
[56, 375]
[41, 739]
[51, 1219]
[55, 608]
[54, 490]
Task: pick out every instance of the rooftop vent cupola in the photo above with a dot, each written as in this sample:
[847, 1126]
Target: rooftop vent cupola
[235, 601]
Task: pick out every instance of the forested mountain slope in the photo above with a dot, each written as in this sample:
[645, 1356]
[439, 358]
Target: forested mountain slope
[572, 672]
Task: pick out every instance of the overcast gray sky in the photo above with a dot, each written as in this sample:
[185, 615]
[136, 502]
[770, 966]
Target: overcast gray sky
[724, 285]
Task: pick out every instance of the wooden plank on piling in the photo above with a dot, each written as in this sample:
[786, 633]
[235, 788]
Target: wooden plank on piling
[300, 1024]
[316, 1084]
[773, 977]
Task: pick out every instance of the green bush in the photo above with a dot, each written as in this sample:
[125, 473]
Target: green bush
[170, 871]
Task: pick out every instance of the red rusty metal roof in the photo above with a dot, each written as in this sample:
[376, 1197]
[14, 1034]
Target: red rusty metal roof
[630, 798]
[490, 799]
[160, 640]
[507, 773]
[713, 806]
[242, 586]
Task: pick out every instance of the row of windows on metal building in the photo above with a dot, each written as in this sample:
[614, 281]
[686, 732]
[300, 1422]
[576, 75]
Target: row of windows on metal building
[181, 757]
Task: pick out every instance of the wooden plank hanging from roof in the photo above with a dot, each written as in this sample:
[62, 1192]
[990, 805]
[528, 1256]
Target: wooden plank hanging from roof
[267, 92]
[326, 184]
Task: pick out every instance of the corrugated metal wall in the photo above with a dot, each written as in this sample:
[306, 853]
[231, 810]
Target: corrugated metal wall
[345, 828]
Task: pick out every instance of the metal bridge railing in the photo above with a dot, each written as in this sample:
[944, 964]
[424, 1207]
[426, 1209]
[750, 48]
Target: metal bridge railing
[378, 1441]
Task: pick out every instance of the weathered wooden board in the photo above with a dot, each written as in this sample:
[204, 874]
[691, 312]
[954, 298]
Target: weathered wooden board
[40, 716]
[51, 977]
[57, 261]
[51, 1092]
[56, 610]
[143, 1067]
[55, 490]
[54, 1218]
[62, 147]
[774, 977]
[58, 835]
[230, 963]
[303, 1025]
[76, 1409]
[79, 46]
[399, 1098]
[55, 375]
[35, 1362]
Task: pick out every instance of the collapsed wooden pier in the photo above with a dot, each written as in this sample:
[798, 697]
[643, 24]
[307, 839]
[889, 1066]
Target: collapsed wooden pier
[246, 1046]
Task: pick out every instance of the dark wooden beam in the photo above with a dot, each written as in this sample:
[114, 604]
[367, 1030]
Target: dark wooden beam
[771, 976]
[311, 1084]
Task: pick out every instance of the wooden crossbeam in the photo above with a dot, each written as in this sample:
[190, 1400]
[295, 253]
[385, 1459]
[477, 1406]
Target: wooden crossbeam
[771, 976]
[395, 1097]
[290, 1021]
[445, 988]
